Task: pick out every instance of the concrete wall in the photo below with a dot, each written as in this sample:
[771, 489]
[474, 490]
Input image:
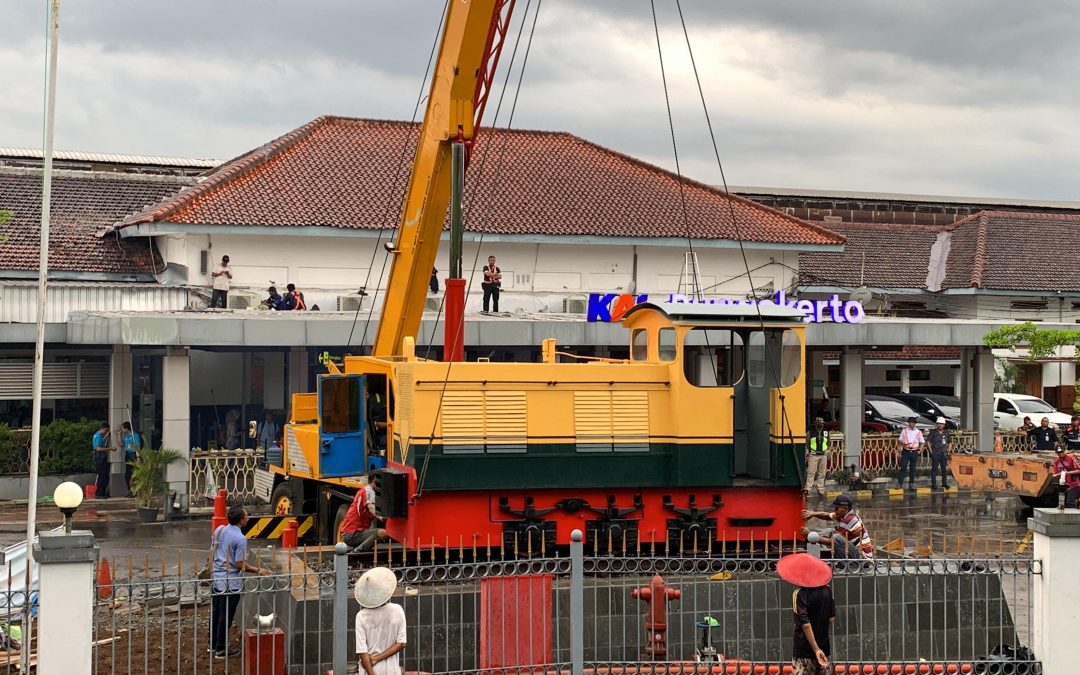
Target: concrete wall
[535, 276]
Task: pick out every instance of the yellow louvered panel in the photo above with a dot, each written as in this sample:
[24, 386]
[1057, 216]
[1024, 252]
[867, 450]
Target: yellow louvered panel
[630, 420]
[592, 421]
[496, 420]
[463, 421]
[506, 421]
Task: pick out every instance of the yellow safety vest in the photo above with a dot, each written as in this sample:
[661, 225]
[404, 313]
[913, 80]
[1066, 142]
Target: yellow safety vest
[813, 444]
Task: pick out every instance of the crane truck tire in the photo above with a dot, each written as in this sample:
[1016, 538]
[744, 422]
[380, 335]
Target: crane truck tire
[339, 518]
[282, 501]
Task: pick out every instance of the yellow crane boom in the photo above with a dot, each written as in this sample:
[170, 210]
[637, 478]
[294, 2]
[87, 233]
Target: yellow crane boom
[471, 41]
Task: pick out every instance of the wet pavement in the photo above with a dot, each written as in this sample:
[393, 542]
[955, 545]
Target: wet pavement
[962, 524]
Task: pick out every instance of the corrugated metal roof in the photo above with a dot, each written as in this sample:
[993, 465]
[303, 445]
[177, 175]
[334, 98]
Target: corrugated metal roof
[111, 158]
[903, 197]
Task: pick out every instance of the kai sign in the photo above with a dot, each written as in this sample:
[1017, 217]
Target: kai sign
[609, 307]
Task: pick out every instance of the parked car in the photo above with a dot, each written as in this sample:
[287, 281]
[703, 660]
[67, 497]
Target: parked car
[933, 406]
[1011, 409]
[893, 413]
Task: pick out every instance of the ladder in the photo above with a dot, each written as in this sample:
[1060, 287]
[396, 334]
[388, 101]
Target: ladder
[690, 281]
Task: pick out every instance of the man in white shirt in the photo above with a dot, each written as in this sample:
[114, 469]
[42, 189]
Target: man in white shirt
[380, 624]
[911, 442]
[222, 275]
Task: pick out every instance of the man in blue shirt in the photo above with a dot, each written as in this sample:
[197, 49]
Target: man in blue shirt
[230, 562]
[131, 442]
[101, 449]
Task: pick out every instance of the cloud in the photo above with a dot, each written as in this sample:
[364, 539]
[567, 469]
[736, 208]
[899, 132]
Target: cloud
[960, 97]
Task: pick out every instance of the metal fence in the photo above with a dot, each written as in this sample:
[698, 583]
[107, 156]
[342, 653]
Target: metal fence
[880, 453]
[233, 470]
[581, 614]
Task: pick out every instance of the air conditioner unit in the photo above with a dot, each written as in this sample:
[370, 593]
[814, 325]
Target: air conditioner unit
[350, 303]
[239, 301]
[575, 304]
[431, 305]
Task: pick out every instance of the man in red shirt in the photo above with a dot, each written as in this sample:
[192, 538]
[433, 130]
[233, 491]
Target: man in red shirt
[360, 527]
[1067, 472]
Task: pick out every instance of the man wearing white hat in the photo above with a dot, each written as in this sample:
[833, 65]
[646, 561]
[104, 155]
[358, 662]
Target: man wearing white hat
[380, 624]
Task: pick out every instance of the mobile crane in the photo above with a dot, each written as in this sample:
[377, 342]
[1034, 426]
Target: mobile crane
[694, 443]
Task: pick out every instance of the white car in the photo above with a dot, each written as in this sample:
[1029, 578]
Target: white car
[1011, 409]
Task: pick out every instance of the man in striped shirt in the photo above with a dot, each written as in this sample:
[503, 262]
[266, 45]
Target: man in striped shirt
[850, 538]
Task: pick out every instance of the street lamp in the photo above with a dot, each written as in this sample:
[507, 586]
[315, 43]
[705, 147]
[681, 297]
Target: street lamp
[67, 496]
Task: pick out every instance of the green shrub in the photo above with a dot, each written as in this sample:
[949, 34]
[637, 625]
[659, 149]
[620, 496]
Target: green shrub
[12, 451]
[65, 447]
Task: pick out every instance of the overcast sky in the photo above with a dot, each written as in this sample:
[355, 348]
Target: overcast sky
[950, 97]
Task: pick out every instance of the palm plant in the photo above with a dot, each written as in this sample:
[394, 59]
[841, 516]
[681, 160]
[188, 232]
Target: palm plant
[148, 474]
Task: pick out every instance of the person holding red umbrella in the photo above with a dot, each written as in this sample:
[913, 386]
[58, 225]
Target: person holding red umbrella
[814, 610]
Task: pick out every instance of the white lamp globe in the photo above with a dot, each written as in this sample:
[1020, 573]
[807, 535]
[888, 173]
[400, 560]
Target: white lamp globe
[68, 495]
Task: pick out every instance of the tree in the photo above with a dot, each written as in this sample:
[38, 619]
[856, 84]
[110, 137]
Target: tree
[1041, 343]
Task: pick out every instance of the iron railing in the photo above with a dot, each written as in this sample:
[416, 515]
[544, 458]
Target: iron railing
[577, 614]
[880, 453]
[233, 470]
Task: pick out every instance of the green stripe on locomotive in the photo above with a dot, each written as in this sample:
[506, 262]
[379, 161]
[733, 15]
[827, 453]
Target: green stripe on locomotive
[565, 465]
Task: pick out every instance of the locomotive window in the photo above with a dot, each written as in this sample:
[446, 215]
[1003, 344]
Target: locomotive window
[712, 357]
[757, 361]
[639, 342]
[773, 359]
[340, 405]
[790, 358]
[667, 344]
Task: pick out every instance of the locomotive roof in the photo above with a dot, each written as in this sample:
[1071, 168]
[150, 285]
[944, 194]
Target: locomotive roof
[689, 312]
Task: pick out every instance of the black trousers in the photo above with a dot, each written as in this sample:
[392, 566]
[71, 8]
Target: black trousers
[939, 461]
[219, 299]
[908, 460]
[101, 463]
[491, 296]
[222, 610]
[1070, 497]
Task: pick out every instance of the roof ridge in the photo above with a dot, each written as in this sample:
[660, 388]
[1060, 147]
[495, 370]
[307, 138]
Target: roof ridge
[981, 243]
[100, 175]
[231, 170]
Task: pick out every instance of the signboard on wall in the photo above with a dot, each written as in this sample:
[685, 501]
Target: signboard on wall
[610, 307]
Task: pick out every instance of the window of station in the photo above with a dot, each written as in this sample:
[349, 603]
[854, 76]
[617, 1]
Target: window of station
[341, 405]
[639, 341]
[712, 357]
[667, 341]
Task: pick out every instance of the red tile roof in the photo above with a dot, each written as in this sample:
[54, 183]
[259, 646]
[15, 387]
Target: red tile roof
[348, 173]
[82, 203]
[994, 250]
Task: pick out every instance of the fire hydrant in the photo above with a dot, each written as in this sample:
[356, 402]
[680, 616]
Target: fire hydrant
[656, 596]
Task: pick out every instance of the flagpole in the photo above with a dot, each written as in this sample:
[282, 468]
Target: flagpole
[39, 344]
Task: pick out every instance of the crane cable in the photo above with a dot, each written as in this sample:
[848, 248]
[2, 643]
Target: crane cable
[769, 361]
[405, 146]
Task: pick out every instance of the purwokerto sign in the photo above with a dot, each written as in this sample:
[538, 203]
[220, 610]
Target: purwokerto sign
[609, 307]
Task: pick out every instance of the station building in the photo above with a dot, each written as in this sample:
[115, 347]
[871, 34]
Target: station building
[575, 228]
